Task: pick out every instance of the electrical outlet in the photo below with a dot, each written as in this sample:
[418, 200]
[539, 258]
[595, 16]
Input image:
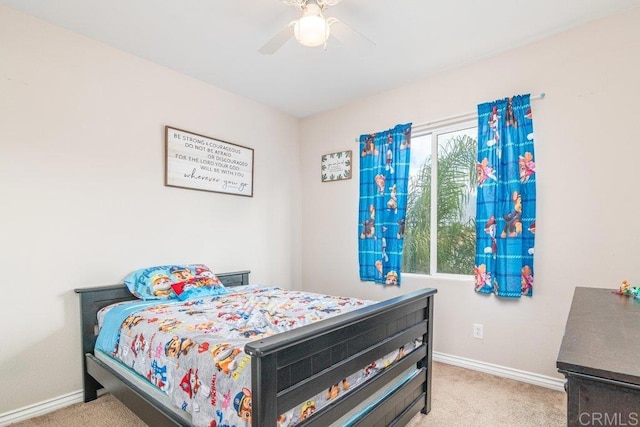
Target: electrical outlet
[478, 330]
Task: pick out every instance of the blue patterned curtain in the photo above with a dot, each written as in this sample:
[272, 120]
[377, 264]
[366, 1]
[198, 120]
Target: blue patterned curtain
[506, 204]
[384, 180]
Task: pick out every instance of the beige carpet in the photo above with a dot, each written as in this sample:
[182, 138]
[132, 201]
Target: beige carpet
[460, 398]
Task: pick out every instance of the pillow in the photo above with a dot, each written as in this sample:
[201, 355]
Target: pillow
[204, 284]
[155, 282]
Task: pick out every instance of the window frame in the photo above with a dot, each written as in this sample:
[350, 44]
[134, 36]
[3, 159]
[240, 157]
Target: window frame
[435, 131]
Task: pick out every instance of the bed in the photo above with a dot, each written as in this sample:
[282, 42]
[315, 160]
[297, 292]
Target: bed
[296, 364]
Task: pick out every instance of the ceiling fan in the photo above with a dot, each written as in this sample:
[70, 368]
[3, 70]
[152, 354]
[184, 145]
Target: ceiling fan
[313, 29]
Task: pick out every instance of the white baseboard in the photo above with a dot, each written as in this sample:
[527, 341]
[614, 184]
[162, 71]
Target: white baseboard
[501, 371]
[41, 408]
[60, 402]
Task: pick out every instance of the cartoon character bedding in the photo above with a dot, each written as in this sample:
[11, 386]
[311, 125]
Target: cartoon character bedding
[193, 349]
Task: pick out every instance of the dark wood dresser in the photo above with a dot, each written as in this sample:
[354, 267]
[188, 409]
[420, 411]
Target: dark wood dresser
[600, 357]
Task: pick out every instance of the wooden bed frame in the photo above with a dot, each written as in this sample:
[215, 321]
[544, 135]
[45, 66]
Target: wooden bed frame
[292, 366]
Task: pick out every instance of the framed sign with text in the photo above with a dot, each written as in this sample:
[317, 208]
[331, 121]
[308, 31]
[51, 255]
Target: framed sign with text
[336, 166]
[200, 162]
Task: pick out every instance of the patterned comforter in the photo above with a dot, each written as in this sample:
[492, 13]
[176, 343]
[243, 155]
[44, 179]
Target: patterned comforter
[194, 350]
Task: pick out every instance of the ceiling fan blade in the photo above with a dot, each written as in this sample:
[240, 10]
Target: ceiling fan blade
[278, 40]
[348, 35]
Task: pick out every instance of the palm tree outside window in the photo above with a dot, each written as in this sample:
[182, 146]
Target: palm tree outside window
[440, 230]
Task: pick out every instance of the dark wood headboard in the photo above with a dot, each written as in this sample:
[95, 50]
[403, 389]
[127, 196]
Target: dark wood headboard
[93, 299]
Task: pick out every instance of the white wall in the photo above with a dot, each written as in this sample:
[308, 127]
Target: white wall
[587, 152]
[83, 200]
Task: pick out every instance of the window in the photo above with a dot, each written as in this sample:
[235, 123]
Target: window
[440, 227]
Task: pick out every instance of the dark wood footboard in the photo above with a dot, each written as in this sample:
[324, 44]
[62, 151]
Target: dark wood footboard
[293, 366]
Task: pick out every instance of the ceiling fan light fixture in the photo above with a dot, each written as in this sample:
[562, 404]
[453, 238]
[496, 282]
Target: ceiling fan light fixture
[312, 29]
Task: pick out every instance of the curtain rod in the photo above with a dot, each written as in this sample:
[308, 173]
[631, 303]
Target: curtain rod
[460, 117]
[454, 119]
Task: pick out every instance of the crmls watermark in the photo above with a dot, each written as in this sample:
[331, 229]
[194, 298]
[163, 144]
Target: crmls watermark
[609, 419]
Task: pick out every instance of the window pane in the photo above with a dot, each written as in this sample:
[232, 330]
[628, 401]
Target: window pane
[417, 237]
[456, 185]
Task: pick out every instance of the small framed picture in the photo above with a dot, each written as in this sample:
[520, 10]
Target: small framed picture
[336, 166]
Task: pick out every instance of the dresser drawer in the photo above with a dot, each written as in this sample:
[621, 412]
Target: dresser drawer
[601, 402]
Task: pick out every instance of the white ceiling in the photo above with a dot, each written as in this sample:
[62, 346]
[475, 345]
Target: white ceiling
[217, 41]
